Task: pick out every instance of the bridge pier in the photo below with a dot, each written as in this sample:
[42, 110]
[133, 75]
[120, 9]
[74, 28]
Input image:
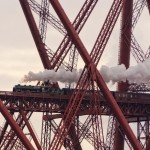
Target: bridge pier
[124, 58]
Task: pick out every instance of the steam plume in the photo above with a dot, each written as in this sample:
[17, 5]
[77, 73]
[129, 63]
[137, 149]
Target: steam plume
[135, 74]
[61, 75]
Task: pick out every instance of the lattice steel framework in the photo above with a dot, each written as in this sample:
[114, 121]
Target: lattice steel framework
[70, 132]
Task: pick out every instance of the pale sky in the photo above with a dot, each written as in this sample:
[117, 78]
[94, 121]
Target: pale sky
[18, 52]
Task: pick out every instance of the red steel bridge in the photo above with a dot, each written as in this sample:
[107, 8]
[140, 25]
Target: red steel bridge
[74, 121]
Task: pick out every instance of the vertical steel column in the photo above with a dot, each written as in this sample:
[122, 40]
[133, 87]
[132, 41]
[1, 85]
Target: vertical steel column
[46, 132]
[119, 138]
[126, 28]
[124, 58]
[73, 135]
[148, 5]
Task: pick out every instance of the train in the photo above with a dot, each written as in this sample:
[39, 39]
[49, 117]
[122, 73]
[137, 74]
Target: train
[46, 87]
[29, 88]
[53, 89]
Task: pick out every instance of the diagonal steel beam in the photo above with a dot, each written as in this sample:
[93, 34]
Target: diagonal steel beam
[30, 130]
[35, 33]
[48, 17]
[3, 131]
[13, 138]
[100, 82]
[78, 24]
[42, 20]
[15, 126]
[101, 40]
[44, 51]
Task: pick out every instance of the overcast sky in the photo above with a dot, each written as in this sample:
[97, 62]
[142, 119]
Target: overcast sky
[18, 52]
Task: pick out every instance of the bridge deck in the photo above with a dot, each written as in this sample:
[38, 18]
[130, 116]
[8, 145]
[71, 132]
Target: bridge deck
[132, 104]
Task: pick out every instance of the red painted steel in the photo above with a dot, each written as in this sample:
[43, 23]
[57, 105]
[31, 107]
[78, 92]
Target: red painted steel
[119, 137]
[78, 24]
[3, 131]
[128, 103]
[30, 130]
[51, 19]
[110, 137]
[58, 103]
[43, 22]
[87, 59]
[136, 50]
[11, 138]
[138, 54]
[124, 58]
[15, 126]
[148, 4]
[46, 132]
[35, 33]
[126, 28]
[138, 7]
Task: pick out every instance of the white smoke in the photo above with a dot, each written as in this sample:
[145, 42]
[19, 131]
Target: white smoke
[134, 74]
[61, 75]
[113, 74]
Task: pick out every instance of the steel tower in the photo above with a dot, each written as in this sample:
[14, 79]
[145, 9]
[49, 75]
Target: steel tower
[71, 121]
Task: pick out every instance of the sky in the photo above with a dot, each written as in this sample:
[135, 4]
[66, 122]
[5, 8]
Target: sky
[19, 54]
[18, 51]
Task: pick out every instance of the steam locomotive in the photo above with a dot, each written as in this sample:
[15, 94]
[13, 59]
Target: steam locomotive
[46, 87]
[51, 88]
[54, 89]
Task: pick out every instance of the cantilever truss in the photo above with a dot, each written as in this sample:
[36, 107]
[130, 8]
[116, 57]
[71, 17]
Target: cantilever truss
[70, 132]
